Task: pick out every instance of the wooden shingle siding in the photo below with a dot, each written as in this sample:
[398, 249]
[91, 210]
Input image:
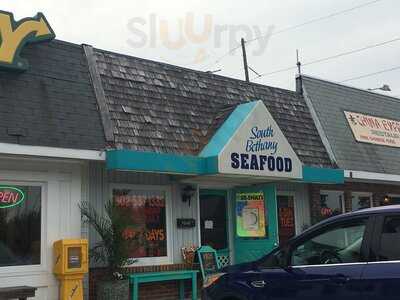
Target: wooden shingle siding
[162, 108]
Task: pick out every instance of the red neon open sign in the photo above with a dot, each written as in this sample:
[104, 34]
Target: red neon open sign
[11, 196]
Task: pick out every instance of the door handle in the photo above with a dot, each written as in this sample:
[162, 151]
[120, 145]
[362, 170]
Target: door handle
[340, 279]
[258, 283]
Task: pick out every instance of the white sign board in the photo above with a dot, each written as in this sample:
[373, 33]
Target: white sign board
[373, 130]
[259, 148]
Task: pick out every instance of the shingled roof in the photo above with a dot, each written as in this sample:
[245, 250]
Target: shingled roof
[52, 103]
[329, 100]
[163, 108]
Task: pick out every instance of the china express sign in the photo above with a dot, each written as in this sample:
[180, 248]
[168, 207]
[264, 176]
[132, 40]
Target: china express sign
[15, 35]
[11, 196]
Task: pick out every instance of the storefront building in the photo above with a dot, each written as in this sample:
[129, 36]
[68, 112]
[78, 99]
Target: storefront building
[231, 160]
[361, 132]
[194, 158]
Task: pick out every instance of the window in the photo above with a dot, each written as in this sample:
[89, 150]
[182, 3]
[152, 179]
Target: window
[391, 200]
[331, 203]
[20, 225]
[146, 208]
[360, 200]
[390, 239]
[340, 244]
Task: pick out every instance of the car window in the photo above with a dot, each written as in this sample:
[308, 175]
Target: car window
[389, 248]
[338, 244]
[275, 259]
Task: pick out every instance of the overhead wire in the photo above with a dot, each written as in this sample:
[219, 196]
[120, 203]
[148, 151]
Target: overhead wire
[230, 51]
[329, 57]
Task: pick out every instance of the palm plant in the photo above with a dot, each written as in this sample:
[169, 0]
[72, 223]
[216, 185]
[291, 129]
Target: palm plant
[117, 238]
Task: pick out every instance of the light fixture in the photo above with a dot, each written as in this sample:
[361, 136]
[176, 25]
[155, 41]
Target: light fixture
[385, 88]
[187, 193]
[386, 200]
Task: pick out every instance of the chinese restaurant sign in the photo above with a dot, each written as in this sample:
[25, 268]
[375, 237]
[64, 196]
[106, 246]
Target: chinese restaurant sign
[250, 215]
[374, 130]
[259, 148]
[11, 196]
[15, 35]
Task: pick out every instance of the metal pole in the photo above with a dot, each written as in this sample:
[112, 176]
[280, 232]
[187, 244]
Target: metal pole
[246, 68]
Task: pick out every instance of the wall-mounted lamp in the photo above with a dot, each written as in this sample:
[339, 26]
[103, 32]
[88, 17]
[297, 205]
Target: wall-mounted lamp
[187, 193]
[386, 200]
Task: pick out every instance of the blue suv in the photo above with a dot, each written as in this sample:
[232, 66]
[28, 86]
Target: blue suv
[347, 257]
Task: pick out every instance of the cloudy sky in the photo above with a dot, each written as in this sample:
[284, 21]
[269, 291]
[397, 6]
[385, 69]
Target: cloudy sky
[198, 34]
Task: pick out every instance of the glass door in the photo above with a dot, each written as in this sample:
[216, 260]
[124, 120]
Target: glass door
[213, 219]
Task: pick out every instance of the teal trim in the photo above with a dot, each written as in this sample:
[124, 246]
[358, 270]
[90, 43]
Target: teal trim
[228, 129]
[137, 278]
[159, 162]
[323, 175]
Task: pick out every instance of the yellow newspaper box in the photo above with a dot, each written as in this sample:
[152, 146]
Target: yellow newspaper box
[70, 266]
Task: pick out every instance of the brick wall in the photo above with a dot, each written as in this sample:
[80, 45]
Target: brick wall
[168, 290]
[378, 191]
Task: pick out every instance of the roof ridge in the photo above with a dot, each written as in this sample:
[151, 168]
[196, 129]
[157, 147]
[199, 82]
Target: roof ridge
[392, 98]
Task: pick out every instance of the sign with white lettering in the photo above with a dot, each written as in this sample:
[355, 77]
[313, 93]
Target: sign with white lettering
[373, 130]
[259, 148]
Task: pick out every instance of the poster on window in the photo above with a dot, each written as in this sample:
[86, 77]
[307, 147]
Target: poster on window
[146, 212]
[250, 215]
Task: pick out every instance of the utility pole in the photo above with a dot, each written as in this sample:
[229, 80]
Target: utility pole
[246, 67]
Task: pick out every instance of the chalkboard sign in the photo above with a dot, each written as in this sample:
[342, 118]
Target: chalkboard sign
[208, 261]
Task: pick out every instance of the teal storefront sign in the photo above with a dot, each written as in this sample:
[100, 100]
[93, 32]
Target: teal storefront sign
[11, 196]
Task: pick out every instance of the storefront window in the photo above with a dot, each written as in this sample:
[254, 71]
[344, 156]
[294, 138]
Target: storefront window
[20, 225]
[146, 209]
[360, 200]
[331, 203]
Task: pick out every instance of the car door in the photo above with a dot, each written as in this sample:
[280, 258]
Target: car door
[325, 264]
[382, 273]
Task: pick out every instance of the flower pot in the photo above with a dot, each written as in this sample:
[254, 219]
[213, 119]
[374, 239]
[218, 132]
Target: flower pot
[113, 290]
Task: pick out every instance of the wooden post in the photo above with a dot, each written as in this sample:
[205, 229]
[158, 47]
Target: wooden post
[246, 68]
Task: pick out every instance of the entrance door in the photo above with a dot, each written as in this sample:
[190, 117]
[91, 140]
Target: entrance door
[255, 222]
[213, 219]
[286, 218]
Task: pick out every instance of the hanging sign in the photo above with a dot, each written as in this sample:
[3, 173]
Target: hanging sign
[259, 148]
[250, 215]
[11, 196]
[373, 130]
[15, 35]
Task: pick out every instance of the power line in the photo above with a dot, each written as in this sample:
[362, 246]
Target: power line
[330, 57]
[371, 74]
[297, 26]
[318, 19]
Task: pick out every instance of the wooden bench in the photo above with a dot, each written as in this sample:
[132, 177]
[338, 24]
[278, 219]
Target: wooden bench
[136, 279]
[18, 292]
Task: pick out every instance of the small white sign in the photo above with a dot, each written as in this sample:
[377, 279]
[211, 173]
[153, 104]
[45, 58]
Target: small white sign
[208, 224]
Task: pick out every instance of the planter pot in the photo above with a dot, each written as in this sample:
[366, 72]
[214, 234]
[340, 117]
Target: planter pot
[113, 290]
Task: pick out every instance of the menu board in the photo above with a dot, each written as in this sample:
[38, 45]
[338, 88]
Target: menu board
[250, 215]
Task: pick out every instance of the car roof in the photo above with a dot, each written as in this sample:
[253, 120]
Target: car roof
[350, 215]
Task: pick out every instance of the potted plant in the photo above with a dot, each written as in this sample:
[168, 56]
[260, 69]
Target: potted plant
[112, 251]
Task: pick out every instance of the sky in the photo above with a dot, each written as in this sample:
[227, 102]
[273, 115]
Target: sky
[199, 34]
